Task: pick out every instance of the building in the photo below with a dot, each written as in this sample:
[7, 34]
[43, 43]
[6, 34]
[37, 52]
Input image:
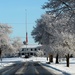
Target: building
[29, 50]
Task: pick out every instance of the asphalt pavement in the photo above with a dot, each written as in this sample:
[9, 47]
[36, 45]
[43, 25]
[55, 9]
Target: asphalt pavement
[25, 68]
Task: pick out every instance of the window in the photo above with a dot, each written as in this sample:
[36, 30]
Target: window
[31, 49]
[39, 49]
[44, 53]
[31, 53]
[35, 49]
[27, 49]
[22, 53]
[22, 49]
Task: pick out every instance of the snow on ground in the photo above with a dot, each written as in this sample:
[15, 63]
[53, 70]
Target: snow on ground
[9, 61]
[61, 67]
[55, 68]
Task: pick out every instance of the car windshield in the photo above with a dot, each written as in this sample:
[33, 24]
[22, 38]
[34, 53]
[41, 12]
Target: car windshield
[37, 37]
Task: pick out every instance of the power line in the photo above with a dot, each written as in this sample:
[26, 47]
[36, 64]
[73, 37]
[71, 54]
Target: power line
[20, 36]
[19, 23]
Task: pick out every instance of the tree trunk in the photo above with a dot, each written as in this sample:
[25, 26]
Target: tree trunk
[47, 58]
[51, 58]
[0, 51]
[57, 59]
[67, 60]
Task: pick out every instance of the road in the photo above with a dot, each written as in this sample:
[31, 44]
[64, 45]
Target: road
[26, 68]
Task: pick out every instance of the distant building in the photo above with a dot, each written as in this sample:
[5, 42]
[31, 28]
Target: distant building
[29, 50]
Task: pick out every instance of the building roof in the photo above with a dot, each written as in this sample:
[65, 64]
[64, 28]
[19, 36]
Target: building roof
[31, 46]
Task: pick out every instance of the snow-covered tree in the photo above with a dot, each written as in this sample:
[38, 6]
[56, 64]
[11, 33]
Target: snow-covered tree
[40, 53]
[46, 33]
[58, 6]
[5, 30]
[16, 44]
[53, 32]
[8, 47]
[57, 31]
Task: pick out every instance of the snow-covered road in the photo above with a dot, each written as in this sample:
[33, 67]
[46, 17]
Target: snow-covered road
[56, 68]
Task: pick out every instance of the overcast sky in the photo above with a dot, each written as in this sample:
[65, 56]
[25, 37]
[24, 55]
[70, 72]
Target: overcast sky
[13, 13]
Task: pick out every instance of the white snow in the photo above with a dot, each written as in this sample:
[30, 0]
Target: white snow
[9, 61]
[62, 66]
[30, 46]
[55, 68]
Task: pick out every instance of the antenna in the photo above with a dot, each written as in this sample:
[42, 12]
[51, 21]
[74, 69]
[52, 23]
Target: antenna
[26, 27]
[26, 19]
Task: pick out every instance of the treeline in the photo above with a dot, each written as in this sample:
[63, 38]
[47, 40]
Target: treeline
[8, 46]
[55, 29]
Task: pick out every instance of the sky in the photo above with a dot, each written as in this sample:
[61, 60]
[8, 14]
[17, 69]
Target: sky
[13, 13]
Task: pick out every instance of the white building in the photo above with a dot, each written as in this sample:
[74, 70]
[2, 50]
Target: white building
[29, 50]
